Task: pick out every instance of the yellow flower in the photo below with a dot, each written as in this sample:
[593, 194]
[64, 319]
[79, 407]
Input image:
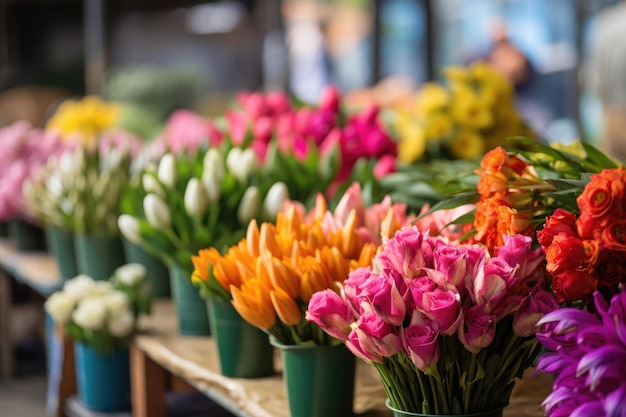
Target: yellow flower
[432, 97]
[456, 74]
[492, 84]
[469, 110]
[84, 119]
[439, 126]
[467, 145]
[412, 145]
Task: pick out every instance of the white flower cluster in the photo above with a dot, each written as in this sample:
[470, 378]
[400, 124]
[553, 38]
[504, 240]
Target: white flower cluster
[93, 305]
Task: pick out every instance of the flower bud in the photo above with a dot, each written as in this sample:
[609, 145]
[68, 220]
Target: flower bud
[167, 170]
[129, 226]
[274, 200]
[212, 186]
[151, 184]
[233, 160]
[157, 212]
[249, 205]
[196, 199]
[213, 164]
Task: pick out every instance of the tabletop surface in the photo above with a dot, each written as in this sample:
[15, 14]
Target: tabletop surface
[194, 358]
[38, 270]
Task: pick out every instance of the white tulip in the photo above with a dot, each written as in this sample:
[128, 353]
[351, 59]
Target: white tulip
[116, 301]
[121, 323]
[213, 163]
[275, 199]
[60, 306]
[151, 184]
[90, 314]
[212, 186]
[54, 185]
[249, 205]
[131, 274]
[196, 198]
[157, 212]
[167, 170]
[129, 226]
[233, 160]
[248, 163]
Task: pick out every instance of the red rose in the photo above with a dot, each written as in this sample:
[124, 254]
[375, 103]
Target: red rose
[561, 222]
[590, 227]
[572, 285]
[565, 253]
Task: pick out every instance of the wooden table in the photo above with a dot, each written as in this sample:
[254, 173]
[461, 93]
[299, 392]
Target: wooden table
[159, 353]
[39, 271]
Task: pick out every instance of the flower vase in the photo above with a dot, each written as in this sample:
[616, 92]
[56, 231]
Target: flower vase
[157, 272]
[102, 379]
[399, 413]
[98, 257]
[190, 307]
[319, 380]
[244, 351]
[26, 236]
[61, 245]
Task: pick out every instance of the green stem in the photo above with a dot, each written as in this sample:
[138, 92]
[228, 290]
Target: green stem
[468, 386]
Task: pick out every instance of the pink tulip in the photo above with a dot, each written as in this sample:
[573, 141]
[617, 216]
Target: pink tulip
[353, 288]
[488, 287]
[375, 336]
[444, 308]
[237, 127]
[408, 251]
[351, 200]
[438, 222]
[330, 99]
[187, 130]
[253, 105]
[385, 297]
[262, 129]
[421, 345]
[329, 311]
[385, 165]
[477, 328]
[518, 254]
[453, 262]
[417, 287]
[536, 305]
[277, 103]
[354, 345]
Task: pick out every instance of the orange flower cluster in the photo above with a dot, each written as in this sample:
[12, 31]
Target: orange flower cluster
[272, 273]
[508, 187]
[588, 252]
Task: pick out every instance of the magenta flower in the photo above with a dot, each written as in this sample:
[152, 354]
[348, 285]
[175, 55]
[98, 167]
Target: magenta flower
[421, 345]
[375, 337]
[477, 329]
[328, 310]
[383, 295]
[187, 130]
[588, 355]
[444, 308]
[532, 308]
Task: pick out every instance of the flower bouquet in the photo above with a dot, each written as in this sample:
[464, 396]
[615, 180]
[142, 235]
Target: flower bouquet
[79, 194]
[448, 128]
[101, 317]
[25, 150]
[270, 276]
[447, 326]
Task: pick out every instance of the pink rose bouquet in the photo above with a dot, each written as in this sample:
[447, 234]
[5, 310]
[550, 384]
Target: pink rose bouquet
[447, 326]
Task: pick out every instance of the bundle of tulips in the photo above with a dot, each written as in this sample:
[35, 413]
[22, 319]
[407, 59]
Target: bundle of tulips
[447, 326]
[273, 272]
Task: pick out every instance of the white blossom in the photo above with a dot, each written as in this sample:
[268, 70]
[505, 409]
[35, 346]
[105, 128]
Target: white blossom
[129, 226]
[157, 212]
[130, 274]
[121, 323]
[90, 314]
[60, 306]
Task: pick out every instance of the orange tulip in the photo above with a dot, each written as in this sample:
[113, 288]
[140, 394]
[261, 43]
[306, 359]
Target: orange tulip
[282, 275]
[252, 238]
[254, 303]
[286, 308]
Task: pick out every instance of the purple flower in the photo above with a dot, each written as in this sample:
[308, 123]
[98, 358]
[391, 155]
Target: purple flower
[533, 307]
[589, 358]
